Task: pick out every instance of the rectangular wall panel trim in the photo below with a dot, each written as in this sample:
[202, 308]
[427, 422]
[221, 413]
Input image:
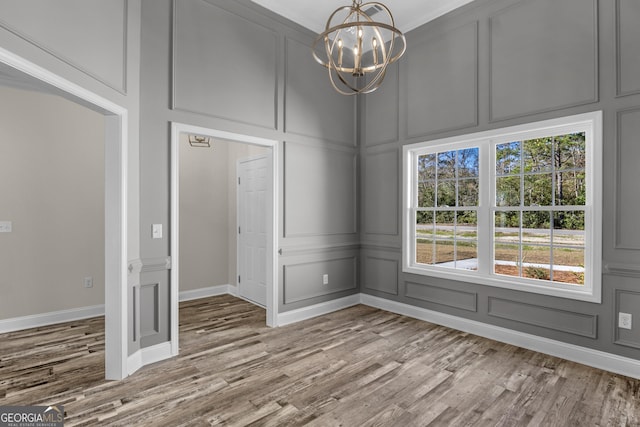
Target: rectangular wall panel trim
[393, 266]
[620, 92]
[442, 296]
[176, 101]
[119, 86]
[623, 234]
[585, 325]
[349, 283]
[593, 96]
[618, 333]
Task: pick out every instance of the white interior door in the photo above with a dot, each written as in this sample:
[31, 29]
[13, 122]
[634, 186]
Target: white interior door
[253, 182]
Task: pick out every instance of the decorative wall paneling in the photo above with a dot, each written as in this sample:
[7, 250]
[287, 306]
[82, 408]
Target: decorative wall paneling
[627, 178]
[544, 57]
[381, 191]
[303, 279]
[381, 273]
[545, 317]
[627, 47]
[320, 195]
[51, 26]
[535, 59]
[237, 78]
[442, 296]
[442, 82]
[381, 109]
[628, 301]
[313, 108]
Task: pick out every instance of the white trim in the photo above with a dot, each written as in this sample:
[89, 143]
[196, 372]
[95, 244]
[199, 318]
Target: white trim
[51, 318]
[149, 355]
[209, 291]
[304, 313]
[591, 124]
[595, 358]
[272, 268]
[116, 182]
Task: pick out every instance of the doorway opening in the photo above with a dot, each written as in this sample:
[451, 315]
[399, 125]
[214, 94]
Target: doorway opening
[21, 73]
[213, 203]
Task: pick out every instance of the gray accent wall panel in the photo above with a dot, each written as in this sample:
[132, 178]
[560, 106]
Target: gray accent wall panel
[381, 274]
[224, 65]
[313, 108]
[89, 35]
[628, 46]
[628, 302]
[149, 315]
[319, 190]
[303, 281]
[382, 198]
[442, 82]
[544, 56]
[628, 177]
[381, 110]
[442, 296]
[558, 320]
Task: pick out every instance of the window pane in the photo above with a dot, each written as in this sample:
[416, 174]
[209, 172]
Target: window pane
[537, 190]
[568, 265]
[536, 261]
[445, 224]
[507, 226]
[468, 164]
[508, 158]
[424, 251]
[468, 192]
[508, 191]
[568, 228]
[570, 188]
[506, 259]
[444, 252]
[466, 255]
[536, 220]
[467, 225]
[426, 194]
[537, 155]
[570, 151]
[426, 167]
[446, 193]
[447, 165]
[424, 224]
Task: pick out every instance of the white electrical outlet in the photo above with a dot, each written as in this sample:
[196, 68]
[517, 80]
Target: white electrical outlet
[325, 279]
[88, 282]
[5, 227]
[624, 320]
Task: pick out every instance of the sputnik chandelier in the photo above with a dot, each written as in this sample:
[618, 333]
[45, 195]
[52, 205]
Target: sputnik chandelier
[357, 46]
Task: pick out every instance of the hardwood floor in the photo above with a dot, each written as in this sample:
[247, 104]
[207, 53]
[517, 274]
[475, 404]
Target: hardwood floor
[355, 367]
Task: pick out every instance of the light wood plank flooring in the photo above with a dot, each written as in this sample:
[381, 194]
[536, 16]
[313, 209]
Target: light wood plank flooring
[356, 367]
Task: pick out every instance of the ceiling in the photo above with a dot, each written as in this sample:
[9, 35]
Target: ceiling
[408, 14]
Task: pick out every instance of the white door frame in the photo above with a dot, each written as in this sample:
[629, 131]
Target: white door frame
[116, 181]
[238, 214]
[272, 246]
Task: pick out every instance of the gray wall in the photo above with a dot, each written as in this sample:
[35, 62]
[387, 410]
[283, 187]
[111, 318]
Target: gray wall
[52, 187]
[496, 63]
[233, 66]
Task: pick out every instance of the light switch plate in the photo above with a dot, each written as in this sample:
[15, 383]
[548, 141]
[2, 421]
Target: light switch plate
[156, 231]
[5, 227]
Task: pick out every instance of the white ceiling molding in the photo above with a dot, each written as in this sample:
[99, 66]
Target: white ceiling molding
[408, 14]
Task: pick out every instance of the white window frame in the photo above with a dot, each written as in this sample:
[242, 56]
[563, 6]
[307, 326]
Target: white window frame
[591, 124]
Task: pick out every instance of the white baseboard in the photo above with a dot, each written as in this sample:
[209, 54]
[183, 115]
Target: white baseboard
[305, 313]
[51, 318]
[210, 291]
[586, 356]
[148, 355]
